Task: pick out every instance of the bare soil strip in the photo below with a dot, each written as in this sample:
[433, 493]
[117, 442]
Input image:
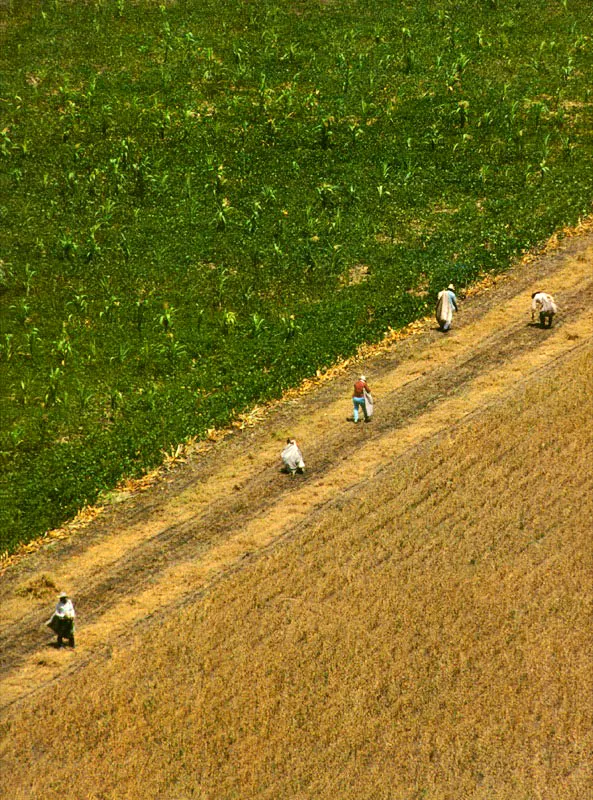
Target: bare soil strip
[226, 505]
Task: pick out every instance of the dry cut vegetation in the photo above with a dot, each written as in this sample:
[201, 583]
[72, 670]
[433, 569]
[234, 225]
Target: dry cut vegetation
[428, 636]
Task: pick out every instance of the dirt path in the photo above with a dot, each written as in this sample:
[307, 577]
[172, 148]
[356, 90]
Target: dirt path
[166, 545]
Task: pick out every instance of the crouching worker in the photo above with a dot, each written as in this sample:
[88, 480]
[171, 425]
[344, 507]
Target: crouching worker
[292, 458]
[62, 620]
[544, 305]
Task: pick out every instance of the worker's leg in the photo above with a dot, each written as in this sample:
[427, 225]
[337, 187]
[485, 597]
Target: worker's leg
[59, 641]
[71, 641]
[358, 403]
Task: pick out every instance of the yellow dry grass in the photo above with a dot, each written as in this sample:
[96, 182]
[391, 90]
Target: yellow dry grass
[425, 635]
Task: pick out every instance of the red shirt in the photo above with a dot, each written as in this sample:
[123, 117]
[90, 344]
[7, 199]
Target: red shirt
[359, 388]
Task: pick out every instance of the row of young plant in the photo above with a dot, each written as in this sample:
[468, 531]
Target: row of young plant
[204, 205]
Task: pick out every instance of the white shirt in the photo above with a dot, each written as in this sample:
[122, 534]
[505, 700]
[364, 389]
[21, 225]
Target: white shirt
[65, 609]
[543, 303]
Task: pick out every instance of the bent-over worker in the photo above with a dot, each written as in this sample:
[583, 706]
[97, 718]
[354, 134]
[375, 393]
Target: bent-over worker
[544, 305]
[292, 458]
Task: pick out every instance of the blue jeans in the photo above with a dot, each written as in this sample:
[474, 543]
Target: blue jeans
[358, 402]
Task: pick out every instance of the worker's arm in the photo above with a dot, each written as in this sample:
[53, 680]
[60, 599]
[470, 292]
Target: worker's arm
[535, 307]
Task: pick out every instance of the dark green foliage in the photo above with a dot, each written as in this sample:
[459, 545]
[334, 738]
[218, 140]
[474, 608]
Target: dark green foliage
[190, 189]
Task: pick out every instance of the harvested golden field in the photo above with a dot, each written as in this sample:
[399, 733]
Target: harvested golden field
[412, 619]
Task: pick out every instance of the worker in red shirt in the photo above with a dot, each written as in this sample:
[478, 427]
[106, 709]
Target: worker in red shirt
[359, 398]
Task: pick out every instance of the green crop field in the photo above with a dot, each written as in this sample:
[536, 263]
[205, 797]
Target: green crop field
[203, 202]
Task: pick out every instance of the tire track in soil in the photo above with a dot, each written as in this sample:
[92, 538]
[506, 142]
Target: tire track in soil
[192, 538]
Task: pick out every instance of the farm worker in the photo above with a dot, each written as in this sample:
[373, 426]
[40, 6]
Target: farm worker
[543, 304]
[361, 399]
[446, 305]
[62, 620]
[292, 458]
